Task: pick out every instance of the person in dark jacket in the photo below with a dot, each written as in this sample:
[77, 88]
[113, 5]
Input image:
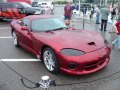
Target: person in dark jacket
[104, 17]
[68, 11]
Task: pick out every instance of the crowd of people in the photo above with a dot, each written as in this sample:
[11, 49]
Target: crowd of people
[102, 13]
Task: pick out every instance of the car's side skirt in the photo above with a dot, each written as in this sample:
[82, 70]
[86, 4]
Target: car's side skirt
[28, 49]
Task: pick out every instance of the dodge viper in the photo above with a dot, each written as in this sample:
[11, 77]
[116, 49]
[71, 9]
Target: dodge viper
[63, 50]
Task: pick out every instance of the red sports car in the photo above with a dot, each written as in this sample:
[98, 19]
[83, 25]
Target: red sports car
[69, 51]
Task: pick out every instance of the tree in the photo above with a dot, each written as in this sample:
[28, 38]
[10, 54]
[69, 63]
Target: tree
[97, 1]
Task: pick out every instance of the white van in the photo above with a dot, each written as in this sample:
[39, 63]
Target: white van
[46, 4]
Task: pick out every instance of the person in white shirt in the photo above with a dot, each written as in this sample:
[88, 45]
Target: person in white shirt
[97, 10]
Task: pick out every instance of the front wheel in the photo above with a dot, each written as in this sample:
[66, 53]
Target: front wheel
[15, 40]
[50, 60]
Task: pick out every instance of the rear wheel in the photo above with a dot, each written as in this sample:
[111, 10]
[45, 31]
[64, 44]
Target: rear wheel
[50, 60]
[15, 40]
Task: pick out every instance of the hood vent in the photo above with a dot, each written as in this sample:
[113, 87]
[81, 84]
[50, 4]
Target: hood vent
[91, 43]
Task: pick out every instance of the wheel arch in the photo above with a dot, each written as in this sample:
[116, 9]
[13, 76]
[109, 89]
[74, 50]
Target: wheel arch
[12, 31]
[56, 60]
[43, 47]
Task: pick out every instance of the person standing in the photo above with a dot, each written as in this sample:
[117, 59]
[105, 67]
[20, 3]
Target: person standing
[97, 10]
[84, 10]
[104, 17]
[68, 11]
[117, 30]
[113, 13]
[52, 8]
[91, 12]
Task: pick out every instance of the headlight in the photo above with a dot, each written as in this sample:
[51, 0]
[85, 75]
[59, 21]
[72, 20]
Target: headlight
[72, 52]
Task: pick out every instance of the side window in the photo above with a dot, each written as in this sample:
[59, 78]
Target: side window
[26, 22]
[10, 5]
[7, 5]
[17, 5]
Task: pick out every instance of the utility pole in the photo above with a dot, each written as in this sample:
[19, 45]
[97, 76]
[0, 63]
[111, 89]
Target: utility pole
[113, 3]
[119, 9]
[100, 2]
[106, 2]
[79, 6]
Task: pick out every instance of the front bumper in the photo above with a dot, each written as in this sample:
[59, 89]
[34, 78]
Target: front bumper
[85, 71]
[88, 63]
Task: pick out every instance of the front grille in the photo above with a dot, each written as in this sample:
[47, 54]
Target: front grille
[91, 64]
[95, 64]
[102, 61]
[102, 58]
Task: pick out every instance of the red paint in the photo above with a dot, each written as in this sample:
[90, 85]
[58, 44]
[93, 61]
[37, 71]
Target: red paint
[95, 58]
[6, 14]
[11, 13]
[118, 27]
[22, 15]
[15, 10]
[27, 1]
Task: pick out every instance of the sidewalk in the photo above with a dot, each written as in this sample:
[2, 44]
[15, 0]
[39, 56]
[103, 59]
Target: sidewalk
[80, 15]
[90, 25]
[87, 22]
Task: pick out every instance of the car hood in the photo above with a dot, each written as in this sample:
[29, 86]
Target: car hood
[81, 40]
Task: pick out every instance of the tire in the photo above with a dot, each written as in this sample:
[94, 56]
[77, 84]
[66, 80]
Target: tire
[50, 60]
[28, 14]
[15, 40]
[1, 20]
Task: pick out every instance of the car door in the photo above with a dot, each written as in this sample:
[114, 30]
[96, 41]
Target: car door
[19, 10]
[26, 36]
[5, 12]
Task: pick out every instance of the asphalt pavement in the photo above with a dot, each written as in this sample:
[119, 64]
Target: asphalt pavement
[34, 70]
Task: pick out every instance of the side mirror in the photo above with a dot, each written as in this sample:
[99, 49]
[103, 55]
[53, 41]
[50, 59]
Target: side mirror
[24, 28]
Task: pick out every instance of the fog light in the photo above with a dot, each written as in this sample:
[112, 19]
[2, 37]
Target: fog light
[72, 65]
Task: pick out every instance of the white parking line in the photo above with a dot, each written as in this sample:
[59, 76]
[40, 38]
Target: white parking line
[16, 60]
[1, 28]
[5, 37]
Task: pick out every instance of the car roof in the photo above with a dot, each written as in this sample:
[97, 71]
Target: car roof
[34, 17]
[8, 2]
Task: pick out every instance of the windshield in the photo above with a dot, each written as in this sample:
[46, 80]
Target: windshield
[25, 4]
[47, 24]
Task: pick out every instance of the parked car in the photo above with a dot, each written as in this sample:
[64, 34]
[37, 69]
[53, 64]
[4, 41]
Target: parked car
[83, 6]
[27, 1]
[34, 4]
[46, 4]
[62, 50]
[16, 10]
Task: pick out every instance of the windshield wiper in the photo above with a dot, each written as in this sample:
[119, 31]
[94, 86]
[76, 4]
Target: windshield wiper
[59, 28]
